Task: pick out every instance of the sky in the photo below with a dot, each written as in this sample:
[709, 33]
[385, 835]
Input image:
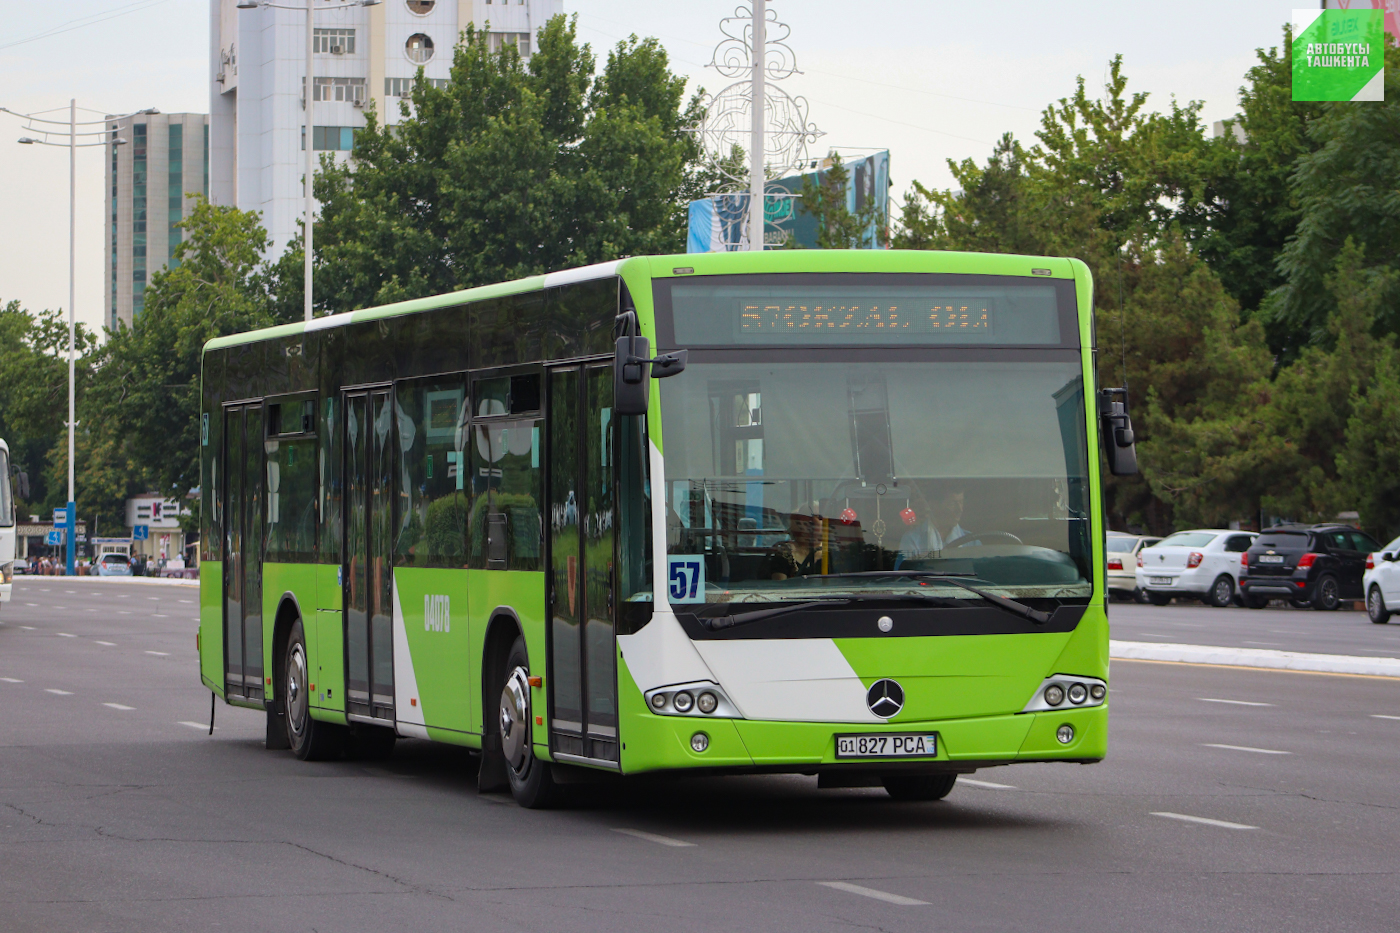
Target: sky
[930, 80]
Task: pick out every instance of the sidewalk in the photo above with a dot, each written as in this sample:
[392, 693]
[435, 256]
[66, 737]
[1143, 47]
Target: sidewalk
[1255, 657]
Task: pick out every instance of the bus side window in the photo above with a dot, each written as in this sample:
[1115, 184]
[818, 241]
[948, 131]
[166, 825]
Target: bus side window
[517, 498]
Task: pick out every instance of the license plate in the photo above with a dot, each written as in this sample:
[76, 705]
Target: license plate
[1160, 581]
[1270, 558]
[909, 745]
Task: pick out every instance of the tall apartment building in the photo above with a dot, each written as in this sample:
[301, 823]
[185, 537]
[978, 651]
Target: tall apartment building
[258, 69]
[165, 158]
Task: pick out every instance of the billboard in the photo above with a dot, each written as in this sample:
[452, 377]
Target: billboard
[717, 223]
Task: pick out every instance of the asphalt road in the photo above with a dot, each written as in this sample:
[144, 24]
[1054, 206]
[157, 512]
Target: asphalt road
[117, 814]
[1278, 628]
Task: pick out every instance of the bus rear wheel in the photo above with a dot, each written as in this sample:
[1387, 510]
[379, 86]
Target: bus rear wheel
[531, 782]
[310, 740]
[918, 786]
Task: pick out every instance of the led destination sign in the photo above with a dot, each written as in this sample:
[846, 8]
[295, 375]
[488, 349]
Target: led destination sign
[766, 320]
[733, 311]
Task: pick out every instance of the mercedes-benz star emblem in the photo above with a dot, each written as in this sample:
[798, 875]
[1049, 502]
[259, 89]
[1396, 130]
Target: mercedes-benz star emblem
[885, 698]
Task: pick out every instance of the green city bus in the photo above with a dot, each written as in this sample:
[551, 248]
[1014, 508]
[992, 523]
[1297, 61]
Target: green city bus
[847, 521]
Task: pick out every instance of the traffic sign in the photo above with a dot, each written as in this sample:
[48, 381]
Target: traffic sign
[60, 516]
[54, 537]
[141, 533]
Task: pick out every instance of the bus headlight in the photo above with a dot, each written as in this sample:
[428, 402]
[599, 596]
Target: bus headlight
[699, 698]
[1055, 690]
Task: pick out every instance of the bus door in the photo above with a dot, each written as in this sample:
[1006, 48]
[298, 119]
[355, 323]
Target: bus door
[581, 555]
[243, 550]
[366, 572]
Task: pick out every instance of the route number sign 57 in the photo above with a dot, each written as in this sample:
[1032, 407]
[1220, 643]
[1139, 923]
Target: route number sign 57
[685, 578]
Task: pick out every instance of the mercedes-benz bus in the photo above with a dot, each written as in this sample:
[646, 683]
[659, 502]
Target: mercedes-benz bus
[835, 513]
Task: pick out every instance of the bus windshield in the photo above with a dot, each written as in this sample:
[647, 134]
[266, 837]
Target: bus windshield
[782, 475]
[7, 505]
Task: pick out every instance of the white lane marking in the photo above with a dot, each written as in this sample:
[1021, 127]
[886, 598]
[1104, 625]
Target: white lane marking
[64, 635]
[160, 654]
[990, 784]
[31, 604]
[109, 644]
[57, 692]
[11, 680]
[1245, 748]
[1383, 716]
[187, 601]
[885, 896]
[157, 615]
[123, 612]
[125, 596]
[70, 591]
[27, 628]
[118, 706]
[653, 837]
[195, 725]
[1205, 821]
[155, 598]
[1233, 702]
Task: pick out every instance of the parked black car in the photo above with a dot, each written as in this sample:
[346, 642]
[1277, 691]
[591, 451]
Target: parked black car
[1309, 565]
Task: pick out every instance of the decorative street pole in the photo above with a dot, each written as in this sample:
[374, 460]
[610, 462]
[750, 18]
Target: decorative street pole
[36, 124]
[756, 176]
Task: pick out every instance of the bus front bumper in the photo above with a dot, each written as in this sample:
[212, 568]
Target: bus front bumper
[666, 743]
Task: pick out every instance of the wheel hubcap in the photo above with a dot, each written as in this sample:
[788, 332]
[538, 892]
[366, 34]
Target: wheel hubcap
[515, 720]
[296, 689]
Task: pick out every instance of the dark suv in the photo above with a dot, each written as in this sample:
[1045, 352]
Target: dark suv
[1317, 565]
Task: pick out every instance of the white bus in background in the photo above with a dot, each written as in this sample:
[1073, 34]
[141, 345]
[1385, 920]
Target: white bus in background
[7, 524]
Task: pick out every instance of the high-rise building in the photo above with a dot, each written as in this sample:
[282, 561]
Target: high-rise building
[165, 158]
[258, 69]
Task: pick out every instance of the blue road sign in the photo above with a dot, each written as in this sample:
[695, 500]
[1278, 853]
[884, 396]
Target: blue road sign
[60, 516]
[54, 537]
[141, 533]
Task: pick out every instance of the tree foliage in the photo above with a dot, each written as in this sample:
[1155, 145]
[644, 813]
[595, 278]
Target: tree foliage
[511, 170]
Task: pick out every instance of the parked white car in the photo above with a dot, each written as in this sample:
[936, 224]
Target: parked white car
[1203, 563]
[1121, 573]
[1381, 582]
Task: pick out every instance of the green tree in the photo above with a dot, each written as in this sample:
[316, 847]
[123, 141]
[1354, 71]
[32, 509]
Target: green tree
[1247, 211]
[511, 170]
[140, 417]
[1347, 187]
[34, 387]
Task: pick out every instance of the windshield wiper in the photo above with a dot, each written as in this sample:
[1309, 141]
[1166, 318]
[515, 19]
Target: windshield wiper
[716, 623]
[1010, 605]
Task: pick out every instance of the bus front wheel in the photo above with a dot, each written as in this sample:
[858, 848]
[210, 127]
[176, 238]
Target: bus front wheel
[918, 786]
[531, 783]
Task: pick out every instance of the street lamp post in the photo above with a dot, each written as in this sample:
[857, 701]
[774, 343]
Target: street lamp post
[310, 128]
[36, 124]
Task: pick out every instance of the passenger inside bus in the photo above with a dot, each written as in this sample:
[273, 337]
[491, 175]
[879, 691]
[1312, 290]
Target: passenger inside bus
[802, 553]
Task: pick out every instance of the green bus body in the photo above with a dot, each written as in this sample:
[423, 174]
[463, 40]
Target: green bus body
[451, 623]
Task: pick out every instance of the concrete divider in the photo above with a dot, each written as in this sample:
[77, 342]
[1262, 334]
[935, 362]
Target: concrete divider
[1255, 657]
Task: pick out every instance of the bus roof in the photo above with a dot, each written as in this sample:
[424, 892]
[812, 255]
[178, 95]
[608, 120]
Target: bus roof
[686, 264]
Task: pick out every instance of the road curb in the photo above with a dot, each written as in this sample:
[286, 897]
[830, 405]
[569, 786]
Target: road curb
[1255, 657]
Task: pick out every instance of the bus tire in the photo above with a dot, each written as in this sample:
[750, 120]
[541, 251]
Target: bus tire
[531, 781]
[918, 786]
[309, 739]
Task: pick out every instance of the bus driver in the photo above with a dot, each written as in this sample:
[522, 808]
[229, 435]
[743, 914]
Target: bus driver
[940, 526]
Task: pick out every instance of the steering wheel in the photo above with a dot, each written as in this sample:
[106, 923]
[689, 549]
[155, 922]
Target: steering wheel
[981, 538]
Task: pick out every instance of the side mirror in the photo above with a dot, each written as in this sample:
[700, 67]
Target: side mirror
[22, 484]
[1388, 555]
[633, 370]
[1117, 432]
